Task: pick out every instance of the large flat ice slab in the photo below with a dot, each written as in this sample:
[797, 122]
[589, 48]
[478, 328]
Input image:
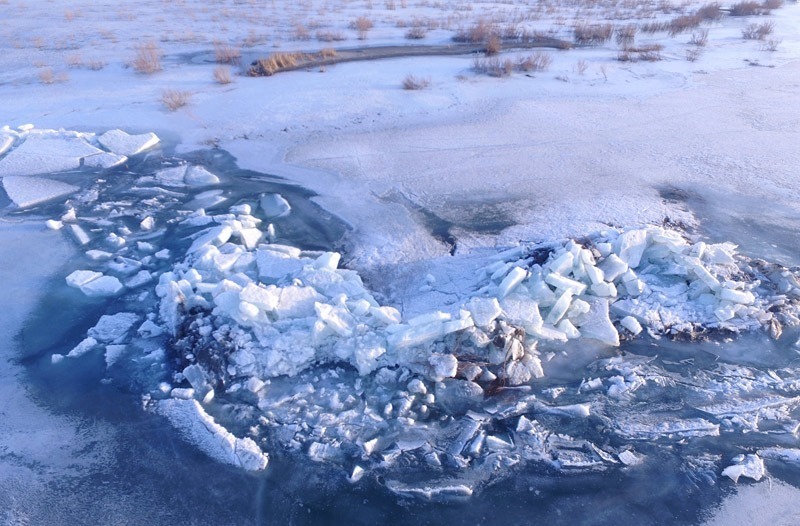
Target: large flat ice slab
[27, 191]
[122, 143]
[46, 153]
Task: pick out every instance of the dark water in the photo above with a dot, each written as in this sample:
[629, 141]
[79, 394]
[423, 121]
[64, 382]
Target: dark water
[153, 477]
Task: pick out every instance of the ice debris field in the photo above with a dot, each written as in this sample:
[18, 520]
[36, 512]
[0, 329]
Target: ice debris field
[250, 346]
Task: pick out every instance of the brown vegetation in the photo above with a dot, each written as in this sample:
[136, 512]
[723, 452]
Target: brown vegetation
[147, 59]
[412, 82]
[175, 99]
[226, 54]
[222, 74]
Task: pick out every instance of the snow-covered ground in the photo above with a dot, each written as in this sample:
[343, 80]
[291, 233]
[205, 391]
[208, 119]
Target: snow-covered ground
[433, 182]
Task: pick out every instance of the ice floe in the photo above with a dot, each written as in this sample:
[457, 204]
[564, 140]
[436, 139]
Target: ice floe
[30, 191]
[123, 144]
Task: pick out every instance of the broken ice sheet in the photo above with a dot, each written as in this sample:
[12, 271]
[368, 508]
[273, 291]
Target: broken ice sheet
[302, 356]
[30, 191]
[46, 153]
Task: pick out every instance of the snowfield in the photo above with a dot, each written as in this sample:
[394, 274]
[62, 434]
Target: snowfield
[428, 291]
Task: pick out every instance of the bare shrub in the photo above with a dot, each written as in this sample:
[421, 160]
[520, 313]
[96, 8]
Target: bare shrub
[712, 11]
[327, 53]
[581, 66]
[480, 31]
[330, 36]
[226, 54]
[699, 38]
[362, 25]
[769, 5]
[771, 44]
[416, 33]
[592, 34]
[625, 34]
[222, 74]
[75, 61]
[758, 31]
[493, 45]
[147, 59]
[46, 76]
[412, 82]
[647, 53]
[693, 54]
[493, 66]
[301, 32]
[654, 27]
[175, 99]
[746, 8]
[683, 23]
[536, 61]
[96, 65]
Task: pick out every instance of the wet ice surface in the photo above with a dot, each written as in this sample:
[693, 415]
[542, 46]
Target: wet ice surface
[257, 344]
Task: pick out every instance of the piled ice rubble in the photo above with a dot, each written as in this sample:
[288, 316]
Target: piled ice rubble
[296, 308]
[27, 152]
[268, 325]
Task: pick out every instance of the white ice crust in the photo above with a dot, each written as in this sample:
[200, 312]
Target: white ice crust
[30, 191]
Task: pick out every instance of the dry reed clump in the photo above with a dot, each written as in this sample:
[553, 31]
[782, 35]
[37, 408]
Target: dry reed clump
[592, 34]
[758, 31]
[416, 33]
[746, 8]
[222, 74]
[175, 99]
[771, 45]
[493, 45]
[712, 11]
[625, 34]
[493, 66]
[536, 61]
[480, 31]
[771, 4]
[226, 54]
[330, 36]
[327, 53]
[96, 65]
[362, 25]
[683, 23]
[147, 59]
[412, 82]
[274, 63]
[646, 53]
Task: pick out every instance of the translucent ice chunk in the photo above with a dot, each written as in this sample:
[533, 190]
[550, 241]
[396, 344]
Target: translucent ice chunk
[274, 206]
[483, 310]
[121, 143]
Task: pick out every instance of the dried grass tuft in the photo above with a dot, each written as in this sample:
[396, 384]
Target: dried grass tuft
[175, 99]
[147, 59]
